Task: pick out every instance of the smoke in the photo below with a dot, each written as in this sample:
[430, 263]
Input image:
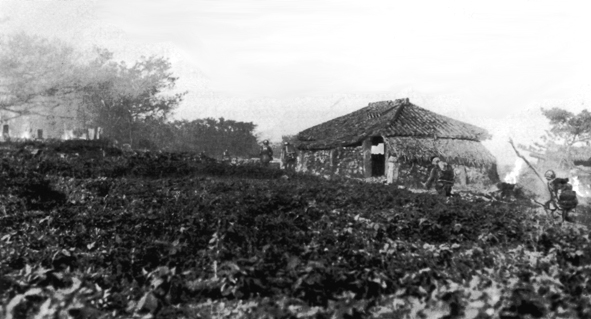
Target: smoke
[513, 176]
[26, 134]
[581, 189]
[68, 135]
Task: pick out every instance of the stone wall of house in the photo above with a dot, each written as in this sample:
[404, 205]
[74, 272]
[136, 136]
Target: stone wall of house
[344, 161]
[412, 174]
[348, 161]
[482, 176]
[315, 162]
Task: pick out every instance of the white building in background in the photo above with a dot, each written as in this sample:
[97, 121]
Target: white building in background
[44, 127]
[40, 122]
[32, 126]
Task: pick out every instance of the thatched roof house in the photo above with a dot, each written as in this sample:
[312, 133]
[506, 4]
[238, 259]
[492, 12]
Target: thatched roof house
[413, 133]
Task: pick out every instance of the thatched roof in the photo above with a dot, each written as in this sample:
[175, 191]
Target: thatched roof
[455, 151]
[398, 118]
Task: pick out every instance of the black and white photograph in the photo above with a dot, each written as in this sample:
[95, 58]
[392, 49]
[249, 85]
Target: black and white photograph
[209, 159]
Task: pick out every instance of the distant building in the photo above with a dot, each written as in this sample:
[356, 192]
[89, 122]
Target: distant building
[34, 126]
[39, 122]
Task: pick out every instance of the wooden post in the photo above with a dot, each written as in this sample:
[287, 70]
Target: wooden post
[40, 134]
[367, 157]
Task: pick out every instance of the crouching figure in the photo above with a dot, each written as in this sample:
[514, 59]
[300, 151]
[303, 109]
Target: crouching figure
[563, 198]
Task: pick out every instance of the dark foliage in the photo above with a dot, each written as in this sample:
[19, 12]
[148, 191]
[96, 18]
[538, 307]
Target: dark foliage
[162, 229]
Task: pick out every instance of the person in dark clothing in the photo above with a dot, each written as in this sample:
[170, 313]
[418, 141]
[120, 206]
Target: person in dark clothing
[562, 195]
[553, 184]
[289, 156]
[266, 153]
[226, 158]
[434, 161]
[567, 200]
[442, 175]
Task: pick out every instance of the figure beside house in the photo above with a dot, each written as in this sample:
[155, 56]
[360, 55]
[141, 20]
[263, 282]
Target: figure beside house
[266, 153]
[442, 175]
[289, 156]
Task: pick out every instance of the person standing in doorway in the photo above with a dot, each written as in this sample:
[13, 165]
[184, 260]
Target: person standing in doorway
[393, 169]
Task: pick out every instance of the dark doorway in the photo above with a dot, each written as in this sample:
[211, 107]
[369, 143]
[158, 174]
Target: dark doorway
[378, 156]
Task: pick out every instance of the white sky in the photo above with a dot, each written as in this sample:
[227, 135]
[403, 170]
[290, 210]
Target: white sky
[288, 65]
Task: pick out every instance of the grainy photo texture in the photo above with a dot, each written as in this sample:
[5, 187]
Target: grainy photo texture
[295, 159]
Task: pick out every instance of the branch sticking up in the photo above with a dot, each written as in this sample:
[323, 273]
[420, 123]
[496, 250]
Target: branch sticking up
[527, 162]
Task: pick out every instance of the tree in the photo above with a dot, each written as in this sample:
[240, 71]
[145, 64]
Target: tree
[210, 136]
[567, 133]
[36, 75]
[119, 98]
[570, 128]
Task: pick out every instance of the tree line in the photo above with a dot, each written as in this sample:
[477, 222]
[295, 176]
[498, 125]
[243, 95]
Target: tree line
[131, 103]
[566, 141]
[208, 136]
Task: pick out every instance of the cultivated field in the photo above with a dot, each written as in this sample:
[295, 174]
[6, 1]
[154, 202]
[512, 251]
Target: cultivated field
[147, 235]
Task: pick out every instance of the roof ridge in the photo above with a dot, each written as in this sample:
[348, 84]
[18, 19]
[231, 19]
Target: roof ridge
[397, 114]
[390, 105]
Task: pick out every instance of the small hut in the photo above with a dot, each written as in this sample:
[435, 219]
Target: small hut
[358, 144]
